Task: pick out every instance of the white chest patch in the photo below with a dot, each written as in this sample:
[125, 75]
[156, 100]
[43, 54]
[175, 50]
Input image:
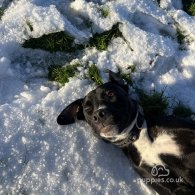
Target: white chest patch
[150, 151]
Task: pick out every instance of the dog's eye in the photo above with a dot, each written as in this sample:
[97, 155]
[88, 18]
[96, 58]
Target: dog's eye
[110, 93]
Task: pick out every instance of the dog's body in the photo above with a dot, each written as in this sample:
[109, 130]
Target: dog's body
[169, 142]
[162, 150]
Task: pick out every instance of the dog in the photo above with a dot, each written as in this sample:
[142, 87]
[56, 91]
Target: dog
[162, 149]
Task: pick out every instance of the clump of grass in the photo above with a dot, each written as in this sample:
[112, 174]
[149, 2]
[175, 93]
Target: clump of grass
[104, 11]
[1, 12]
[192, 9]
[94, 74]
[132, 68]
[127, 78]
[189, 6]
[29, 24]
[180, 36]
[59, 41]
[182, 111]
[154, 104]
[101, 41]
[62, 74]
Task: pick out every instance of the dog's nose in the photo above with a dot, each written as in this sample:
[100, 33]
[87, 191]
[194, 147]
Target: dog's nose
[99, 115]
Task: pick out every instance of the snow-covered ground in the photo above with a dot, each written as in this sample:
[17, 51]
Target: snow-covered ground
[36, 155]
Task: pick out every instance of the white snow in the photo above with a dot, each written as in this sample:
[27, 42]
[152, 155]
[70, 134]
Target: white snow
[36, 155]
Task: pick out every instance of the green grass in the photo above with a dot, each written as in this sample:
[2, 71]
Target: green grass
[104, 11]
[94, 74]
[192, 9]
[1, 12]
[189, 6]
[127, 78]
[180, 36]
[102, 40]
[61, 74]
[59, 41]
[182, 111]
[154, 104]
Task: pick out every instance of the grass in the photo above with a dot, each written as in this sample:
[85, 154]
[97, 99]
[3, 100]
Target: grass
[189, 6]
[62, 74]
[132, 68]
[101, 41]
[94, 74]
[29, 24]
[180, 36]
[192, 9]
[154, 104]
[59, 41]
[1, 12]
[104, 12]
[182, 111]
[180, 39]
[127, 78]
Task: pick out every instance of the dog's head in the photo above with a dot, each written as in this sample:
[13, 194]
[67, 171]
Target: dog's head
[107, 109]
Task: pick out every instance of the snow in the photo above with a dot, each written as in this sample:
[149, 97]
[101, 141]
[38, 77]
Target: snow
[39, 157]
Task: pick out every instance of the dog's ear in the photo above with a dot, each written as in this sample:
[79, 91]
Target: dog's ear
[115, 78]
[71, 112]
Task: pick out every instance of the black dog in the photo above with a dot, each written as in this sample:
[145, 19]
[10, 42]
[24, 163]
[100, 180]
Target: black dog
[162, 150]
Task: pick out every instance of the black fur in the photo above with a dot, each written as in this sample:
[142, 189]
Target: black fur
[109, 110]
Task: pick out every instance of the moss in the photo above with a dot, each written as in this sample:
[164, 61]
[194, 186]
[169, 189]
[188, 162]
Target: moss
[189, 6]
[59, 41]
[94, 74]
[62, 74]
[182, 111]
[102, 40]
[154, 104]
